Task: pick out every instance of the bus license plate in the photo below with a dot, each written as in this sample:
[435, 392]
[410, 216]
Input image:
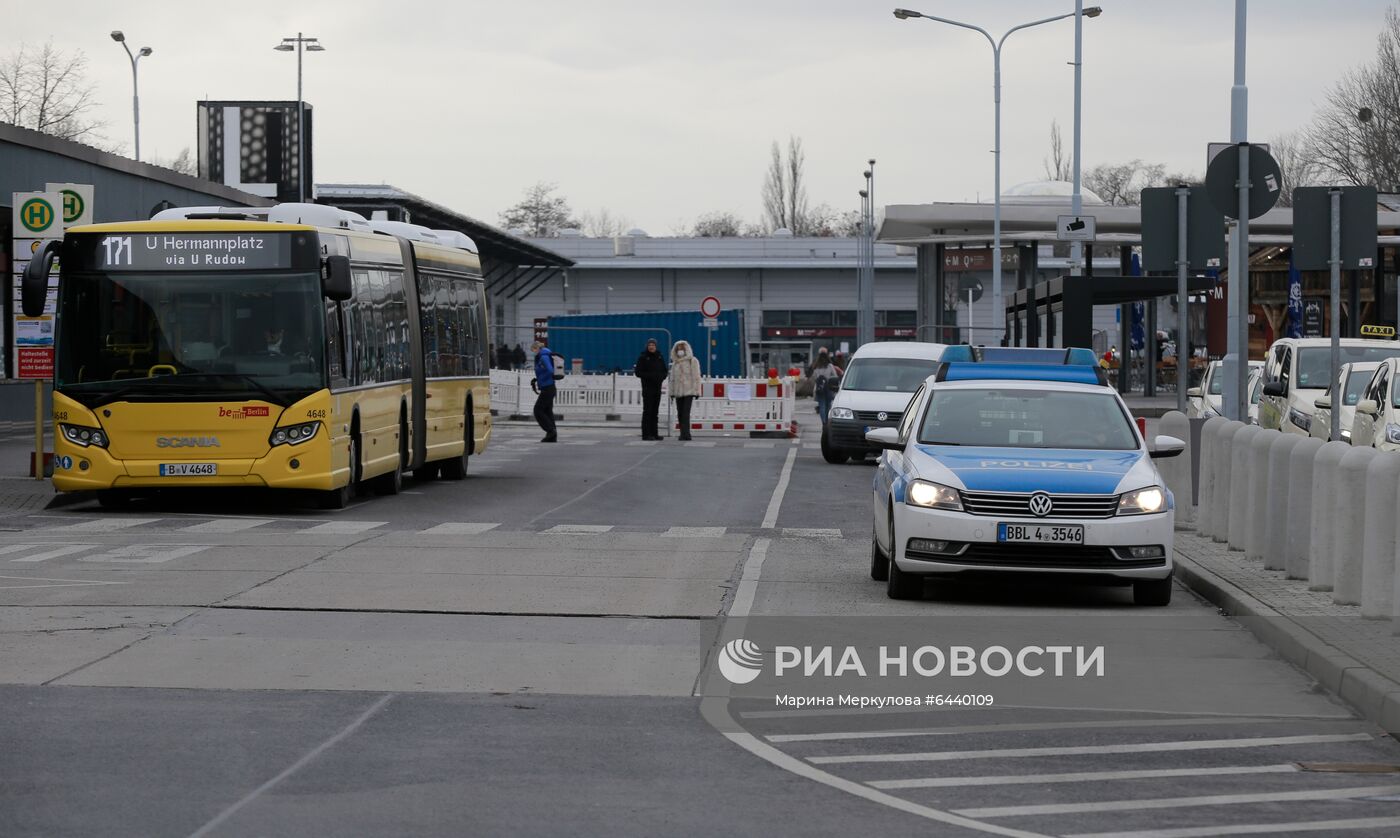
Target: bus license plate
[1040, 534]
[188, 469]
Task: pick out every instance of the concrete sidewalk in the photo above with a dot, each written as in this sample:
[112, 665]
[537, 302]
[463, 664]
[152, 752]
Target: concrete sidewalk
[1353, 657]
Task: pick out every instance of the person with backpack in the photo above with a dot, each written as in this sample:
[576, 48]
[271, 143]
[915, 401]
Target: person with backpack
[825, 375]
[543, 383]
[685, 384]
[651, 371]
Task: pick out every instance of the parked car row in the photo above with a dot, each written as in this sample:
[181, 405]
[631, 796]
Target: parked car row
[1296, 392]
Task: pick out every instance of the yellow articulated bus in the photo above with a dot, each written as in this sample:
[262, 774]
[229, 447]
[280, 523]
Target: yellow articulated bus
[294, 347]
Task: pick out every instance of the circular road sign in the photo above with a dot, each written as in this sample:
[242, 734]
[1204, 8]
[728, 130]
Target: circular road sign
[73, 206]
[37, 215]
[710, 306]
[1223, 177]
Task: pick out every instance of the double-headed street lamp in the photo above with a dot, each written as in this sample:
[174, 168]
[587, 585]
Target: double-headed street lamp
[135, 93]
[998, 314]
[300, 43]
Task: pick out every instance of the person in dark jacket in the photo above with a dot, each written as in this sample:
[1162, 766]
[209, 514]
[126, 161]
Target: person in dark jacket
[518, 356]
[651, 370]
[543, 384]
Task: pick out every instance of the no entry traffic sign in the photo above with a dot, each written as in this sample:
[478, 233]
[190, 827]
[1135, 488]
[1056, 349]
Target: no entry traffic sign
[710, 306]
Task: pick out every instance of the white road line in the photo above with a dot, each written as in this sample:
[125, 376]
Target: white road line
[694, 532]
[453, 528]
[227, 525]
[810, 532]
[342, 527]
[1132, 748]
[57, 551]
[293, 768]
[1175, 802]
[103, 525]
[748, 582]
[59, 583]
[770, 519]
[758, 445]
[1008, 728]
[578, 529]
[1248, 829]
[709, 443]
[1078, 777]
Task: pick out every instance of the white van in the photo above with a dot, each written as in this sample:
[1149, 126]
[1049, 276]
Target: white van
[879, 380]
[1299, 370]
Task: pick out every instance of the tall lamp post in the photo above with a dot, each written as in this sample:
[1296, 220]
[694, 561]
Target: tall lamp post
[135, 92]
[300, 43]
[998, 315]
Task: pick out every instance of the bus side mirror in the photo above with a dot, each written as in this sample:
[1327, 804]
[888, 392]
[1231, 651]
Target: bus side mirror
[335, 278]
[34, 288]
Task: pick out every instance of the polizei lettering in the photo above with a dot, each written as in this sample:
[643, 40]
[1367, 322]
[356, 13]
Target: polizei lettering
[1051, 464]
[187, 442]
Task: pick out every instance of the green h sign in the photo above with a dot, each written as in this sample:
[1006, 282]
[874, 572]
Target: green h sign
[36, 215]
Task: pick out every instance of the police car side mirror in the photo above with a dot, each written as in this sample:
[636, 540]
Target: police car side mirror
[34, 288]
[1276, 388]
[1323, 402]
[884, 438]
[335, 278]
[1166, 446]
[1368, 407]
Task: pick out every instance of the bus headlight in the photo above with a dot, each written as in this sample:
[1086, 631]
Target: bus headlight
[933, 496]
[294, 434]
[1142, 501]
[841, 413]
[79, 435]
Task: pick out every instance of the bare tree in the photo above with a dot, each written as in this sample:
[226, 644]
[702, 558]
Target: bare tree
[1120, 184]
[785, 191]
[717, 225]
[540, 213]
[184, 162]
[775, 206]
[1289, 150]
[800, 217]
[603, 224]
[1057, 166]
[1355, 137]
[47, 90]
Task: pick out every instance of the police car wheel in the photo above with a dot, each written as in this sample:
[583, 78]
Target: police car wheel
[832, 455]
[899, 584]
[1154, 592]
[879, 562]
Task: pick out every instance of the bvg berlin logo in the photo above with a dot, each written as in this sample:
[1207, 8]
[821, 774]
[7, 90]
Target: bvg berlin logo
[740, 661]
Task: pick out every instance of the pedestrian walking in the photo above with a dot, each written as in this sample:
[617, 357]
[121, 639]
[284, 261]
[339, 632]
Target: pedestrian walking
[543, 383]
[824, 375]
[651, 371]
[685, 384]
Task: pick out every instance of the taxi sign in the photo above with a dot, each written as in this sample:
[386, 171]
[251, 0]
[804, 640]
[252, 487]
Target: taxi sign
[1369, 331]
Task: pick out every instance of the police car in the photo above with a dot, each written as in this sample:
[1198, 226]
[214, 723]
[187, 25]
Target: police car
[1021, 461]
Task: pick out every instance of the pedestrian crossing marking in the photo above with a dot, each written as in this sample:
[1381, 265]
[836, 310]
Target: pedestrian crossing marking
[343, 527]
[228, 525]
[104, 524]
[578, 529]
[456, 528]
[56, 551]
[694, 532]
[810, 532]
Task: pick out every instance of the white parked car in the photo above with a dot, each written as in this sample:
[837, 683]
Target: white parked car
[1353, 381]
[1203, 402]
[1376, 421]
[1016, 468]
[875, 390]
[1299, 370]
[1255, 387]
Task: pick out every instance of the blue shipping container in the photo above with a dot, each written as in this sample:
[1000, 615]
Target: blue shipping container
[612, 342]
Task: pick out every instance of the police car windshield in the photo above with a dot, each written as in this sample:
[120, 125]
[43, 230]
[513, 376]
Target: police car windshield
[1020, 418]
[888, 375]
[1314, 362]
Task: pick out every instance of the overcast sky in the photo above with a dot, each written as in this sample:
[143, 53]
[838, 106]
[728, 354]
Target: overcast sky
[662, 111]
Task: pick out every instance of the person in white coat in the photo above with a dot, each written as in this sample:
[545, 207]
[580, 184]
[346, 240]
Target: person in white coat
[685, 384]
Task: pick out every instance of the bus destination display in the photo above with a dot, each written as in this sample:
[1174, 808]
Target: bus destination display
[192, 251]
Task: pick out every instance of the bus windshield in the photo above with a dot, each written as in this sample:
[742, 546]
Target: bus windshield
[180, 336]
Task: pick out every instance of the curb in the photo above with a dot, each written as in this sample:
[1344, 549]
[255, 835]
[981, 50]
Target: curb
[1372, 695]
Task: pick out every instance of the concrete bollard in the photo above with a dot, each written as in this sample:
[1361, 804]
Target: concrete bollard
[1257, 517]
[1242, 480]
[1209, 434]
[1176, 471]
[1349, 527]
[1378, 577]
[1273, 519]
[1324, 514]
[1298, 554]
[1220, 503]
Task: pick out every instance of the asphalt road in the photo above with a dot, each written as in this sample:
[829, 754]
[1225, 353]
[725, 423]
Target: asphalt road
[531, 652]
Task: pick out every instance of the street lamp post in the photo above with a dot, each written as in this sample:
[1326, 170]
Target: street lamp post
[135, 91]
[299, 43]
[998, 314]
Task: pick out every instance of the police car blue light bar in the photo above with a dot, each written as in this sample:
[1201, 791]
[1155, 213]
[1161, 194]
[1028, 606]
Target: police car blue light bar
[1073, 356]
[1077, 374]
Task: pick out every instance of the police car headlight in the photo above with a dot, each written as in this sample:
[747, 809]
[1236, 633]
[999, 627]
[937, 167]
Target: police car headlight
[79, 435]
[933, 496]
[841, 413]
[1392, 434]
[1142, 501]
[294, 434]
[1300, 418]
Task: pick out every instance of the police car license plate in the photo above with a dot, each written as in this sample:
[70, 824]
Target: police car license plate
[1040, 533]
[189, 469]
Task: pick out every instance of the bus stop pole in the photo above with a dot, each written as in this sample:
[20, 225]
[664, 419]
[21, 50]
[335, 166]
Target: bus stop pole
[38, 429]
[1183, 323]
[1336, 264]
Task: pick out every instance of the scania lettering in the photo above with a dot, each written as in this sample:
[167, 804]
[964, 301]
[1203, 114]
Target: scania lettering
[295, 347]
